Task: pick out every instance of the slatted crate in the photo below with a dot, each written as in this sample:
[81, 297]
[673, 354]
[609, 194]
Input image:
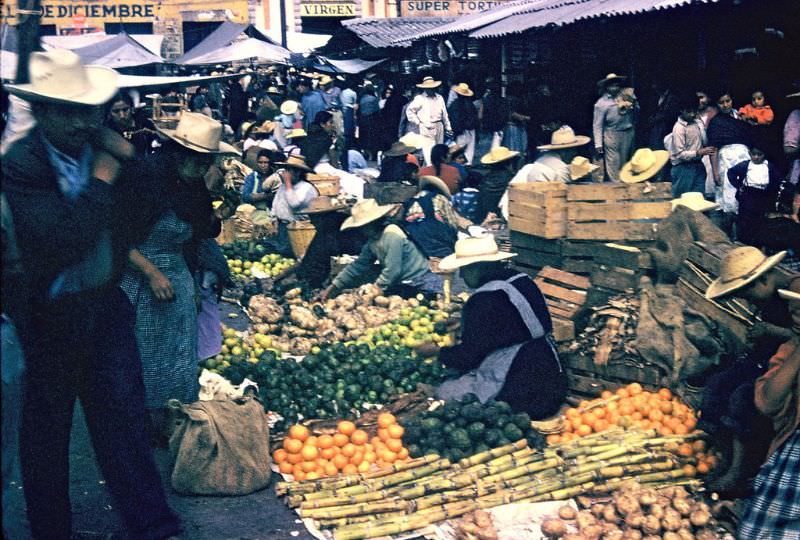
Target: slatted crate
[617, 211]
[538, 208]
[565, 295]
[534, 252]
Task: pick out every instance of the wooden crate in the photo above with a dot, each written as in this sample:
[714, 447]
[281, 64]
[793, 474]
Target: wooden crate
[327, 185]
[616, 211]
[618, 369]
[538, 208]
[616, 278]
[534, 252]
[565, 295]
[696, 300]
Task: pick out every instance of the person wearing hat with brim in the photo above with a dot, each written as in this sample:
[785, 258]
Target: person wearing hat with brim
[773, 506]
[458, 159]
[580, 168]
[507, 351]
[260, 136]
[404, 269]
[292, 197]
[427, 112]
[464, 119]
[330, 92]
[645, 165]
[286, 121]
[395, 165]
[429, 218]
[728, 411]
[78, 201]
[613, 127]
[502, 166]
[694, 200]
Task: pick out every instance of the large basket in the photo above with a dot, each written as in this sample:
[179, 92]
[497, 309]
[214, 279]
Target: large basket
[326, 184]
[300, 235]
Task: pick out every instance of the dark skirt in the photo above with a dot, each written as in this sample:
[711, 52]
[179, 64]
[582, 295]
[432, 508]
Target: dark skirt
[536, 382]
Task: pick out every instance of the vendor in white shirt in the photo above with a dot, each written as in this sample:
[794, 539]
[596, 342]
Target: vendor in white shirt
[292, 197]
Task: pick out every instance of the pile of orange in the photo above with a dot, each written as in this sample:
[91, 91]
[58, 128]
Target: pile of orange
[629, 406]
[704, 459]
[348, 451]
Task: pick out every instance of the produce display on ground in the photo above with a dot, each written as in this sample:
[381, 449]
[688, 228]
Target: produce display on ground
[463, 428]
[365, 316]
[422, 491]
[335, 381]
[348, 451]
[254, 258]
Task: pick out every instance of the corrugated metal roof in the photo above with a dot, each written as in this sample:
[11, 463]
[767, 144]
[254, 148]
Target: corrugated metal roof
[559, 13]
[394, 32]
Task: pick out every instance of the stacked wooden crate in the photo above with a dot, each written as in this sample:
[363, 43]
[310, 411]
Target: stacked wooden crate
[565, 295]
[627, 212]
[538, 208]
[534, 252]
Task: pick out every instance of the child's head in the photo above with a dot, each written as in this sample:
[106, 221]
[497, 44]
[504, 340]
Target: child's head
[688, 108]
[724, 101]
[702, 99]
[757, 155]
[758, 99]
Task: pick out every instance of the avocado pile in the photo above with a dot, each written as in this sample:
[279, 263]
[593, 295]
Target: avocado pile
[459, 429]
[335, 381]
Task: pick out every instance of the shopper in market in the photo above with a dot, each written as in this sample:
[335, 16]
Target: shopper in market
[464, 118]
[507, 351]
[774, 509]
[502, 166]
[429, 218]
[404, 269]
[121, 119]
[260, 185]
[285, 122]
[687, 148]
[442, 169]
[311, 101]
[613, 127]
[292, 197]
[427, 112]
[728, 412]
[78, 203]
[160, 282]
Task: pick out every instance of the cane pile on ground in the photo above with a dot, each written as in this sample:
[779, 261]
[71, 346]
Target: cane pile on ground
[635, 512]
[426, 490]
[611, 331]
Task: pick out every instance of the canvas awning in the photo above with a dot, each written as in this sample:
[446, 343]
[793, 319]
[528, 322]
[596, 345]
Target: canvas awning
[350, 65]
[222, 37]
[117, 51]
[250, 48]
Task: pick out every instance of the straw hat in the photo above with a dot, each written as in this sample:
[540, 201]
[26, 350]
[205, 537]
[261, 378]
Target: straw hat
[273, 90]
[429, 82]
[498, 154]
[474, 250]
[456, 149]
[200, 133]
[296, 161]
[644, 165]
[580, 167]
[695, 201]
[289, 107]
[434, 182]
[267, 127]
[786, 294]
[399, 149]
[60, 76]
[325, 79]
[296, 132]
[740, 267]
[322, 204]
[414, 140]
[366, 211]
[462, 89]
[611, 77]
[564, 137]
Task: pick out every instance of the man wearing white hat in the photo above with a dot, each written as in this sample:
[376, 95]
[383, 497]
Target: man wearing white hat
[613, 126]
[75, 223]
[506, 351]
[428, 112]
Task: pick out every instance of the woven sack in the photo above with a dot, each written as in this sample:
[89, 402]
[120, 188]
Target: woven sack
[220, 447]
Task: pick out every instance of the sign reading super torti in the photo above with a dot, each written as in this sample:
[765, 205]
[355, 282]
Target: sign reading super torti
[54, 11]
[445, 8]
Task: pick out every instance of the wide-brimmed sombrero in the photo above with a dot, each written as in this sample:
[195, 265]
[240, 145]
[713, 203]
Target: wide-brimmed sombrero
[474, 250]
[740, 267]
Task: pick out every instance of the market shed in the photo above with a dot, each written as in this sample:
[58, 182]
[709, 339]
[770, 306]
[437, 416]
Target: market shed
[373, 37]
[243, 50]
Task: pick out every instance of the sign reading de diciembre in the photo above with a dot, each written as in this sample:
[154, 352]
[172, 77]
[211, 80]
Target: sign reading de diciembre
[64, 12]
[327, 9]
[445, 8]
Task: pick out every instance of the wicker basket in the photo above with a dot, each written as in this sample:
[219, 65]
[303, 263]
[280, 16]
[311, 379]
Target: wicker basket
[300, 235]
[326, 184]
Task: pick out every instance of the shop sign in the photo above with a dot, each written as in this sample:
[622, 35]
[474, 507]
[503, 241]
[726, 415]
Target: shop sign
[327, 9]
[67, 13]
[445, 8]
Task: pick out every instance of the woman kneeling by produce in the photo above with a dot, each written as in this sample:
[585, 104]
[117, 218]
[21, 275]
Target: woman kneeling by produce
[506, 349]
[404, 268]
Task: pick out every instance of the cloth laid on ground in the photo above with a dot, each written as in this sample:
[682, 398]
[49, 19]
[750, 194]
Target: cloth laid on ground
[214, 386]
[220, 447]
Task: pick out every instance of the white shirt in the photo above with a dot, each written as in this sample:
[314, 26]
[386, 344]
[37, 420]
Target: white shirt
[286, 204]
[425, 111]
[757, 175]
[263, 143]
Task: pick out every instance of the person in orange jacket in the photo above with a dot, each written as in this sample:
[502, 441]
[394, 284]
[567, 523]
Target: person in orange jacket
[757, 112]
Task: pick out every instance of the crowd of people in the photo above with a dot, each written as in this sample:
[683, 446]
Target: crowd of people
[112, 274]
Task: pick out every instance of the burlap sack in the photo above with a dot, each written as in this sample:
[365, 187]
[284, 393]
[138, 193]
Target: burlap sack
[220, 447]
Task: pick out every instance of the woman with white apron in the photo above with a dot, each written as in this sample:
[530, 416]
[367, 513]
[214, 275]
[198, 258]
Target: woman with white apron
[507, 351]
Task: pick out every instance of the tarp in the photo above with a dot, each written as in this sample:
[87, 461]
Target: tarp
[224, 35]
[151, 42]
[298, 42]
[118, 51]
[351, 65]
[243, 50]
[142, 81]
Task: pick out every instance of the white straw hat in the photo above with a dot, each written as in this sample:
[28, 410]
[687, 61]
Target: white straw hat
[498, 154]
[60, 76]
[200, 133]
[740, 267]
[463, 89]
[564, 137]
[580, 167]
[435, 182]
[644, 165]
[429, 82]
[695, 201]
[473, 250]
[366, 211]
[289, 107]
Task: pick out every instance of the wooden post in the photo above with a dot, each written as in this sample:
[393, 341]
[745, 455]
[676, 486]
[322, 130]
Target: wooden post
[27, 36]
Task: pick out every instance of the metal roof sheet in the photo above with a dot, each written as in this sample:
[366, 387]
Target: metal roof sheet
[560, 13]
[393, 32]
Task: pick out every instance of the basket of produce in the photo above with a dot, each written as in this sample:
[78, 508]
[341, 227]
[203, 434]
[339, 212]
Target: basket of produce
[301, 233]
[326, 184]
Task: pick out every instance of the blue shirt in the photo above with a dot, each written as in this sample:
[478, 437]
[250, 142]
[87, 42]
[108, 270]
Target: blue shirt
[312, 103]
[73, 174]
[465, 203]
[348, 97]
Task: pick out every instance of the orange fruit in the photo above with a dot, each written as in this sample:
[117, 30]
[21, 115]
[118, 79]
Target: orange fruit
[395, 431]
[711, 460]
[313, 475]
[293, 446]
[626, 409]
[321, 462]
[689, 470]
[553, 439]
[703, 468]
[340, 439]
[280, 455]
[383, 434]
[331, 470]
[690, 424]
[349, 450]
[583, 430]
[600, 425]
[370, 457]
[363, 466]
[386, 419]
[699, 445]
[403, 453]
[665, 406]
[394, 445]
[685, 450]
[572, 412]
[346, 427]
[299, 475]
[340, 461]
[576, 424]
[589, 419]
[612, 406]
[285, 467]
[294, 459]
[350, 469]
[622, 392]
[605, 394]
[665, 393]
[357, 458]
[680, 429]
[311, 441]
[600, 412]
[324, 441]
[665, 431]
[308, 466]
[637, 415]
[309, 453]
[635, 388]
[359, 436]
[327, 453]
[388, 456]
[584, 404]
[655, 415]
[612, 418]
[299, 432]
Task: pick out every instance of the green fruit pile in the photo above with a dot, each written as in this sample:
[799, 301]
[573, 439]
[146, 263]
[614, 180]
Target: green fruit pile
[463, 428]
[414, 326]
[334, 381]
[248, 257]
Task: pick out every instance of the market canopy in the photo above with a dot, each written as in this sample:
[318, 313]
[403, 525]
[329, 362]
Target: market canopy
[151, 42]
[367, 36]
[225, 34]
[243, 50]
[119, 51]
[350, 66]
[143, 81]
